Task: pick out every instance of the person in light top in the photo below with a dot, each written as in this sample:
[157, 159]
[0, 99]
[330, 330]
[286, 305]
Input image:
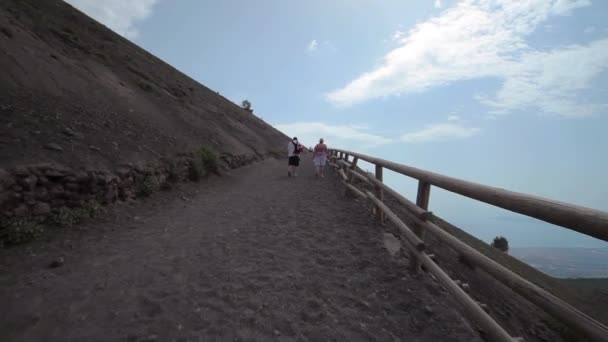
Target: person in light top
[293, 150]
[319, 158]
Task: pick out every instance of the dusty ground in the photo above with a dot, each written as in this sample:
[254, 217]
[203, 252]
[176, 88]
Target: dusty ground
[250, 256]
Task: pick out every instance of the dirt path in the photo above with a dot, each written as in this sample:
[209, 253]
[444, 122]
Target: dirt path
[254, 256]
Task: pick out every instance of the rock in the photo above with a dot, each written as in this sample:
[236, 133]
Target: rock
[53, 147]
[57, 192]
[110, 195]
[41, 208]
[42, 180]
[428, 310]
[94, 148]
[42, 194]
[466, 288]
[83, 177]
[56, 173]
[75, 203]
[5, 196]
[21, 211]
[58, 202]
[72, 186]
[28, 183]
[69, 132]
[123, 171]
[57, 262]
[6, 180]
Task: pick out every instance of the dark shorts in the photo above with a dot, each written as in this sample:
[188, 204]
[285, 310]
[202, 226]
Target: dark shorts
[294, 160]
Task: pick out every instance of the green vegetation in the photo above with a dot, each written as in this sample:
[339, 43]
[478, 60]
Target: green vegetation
[204, 161]
[247, 106]
[21, 231]
[501, 243]
[149, 186]
[68, 217]
[209, 159]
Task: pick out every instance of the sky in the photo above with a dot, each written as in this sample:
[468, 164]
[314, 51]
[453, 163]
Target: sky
[512, 94]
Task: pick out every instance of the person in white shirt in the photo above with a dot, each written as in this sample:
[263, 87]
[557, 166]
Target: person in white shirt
[319, 158]
[293, 150]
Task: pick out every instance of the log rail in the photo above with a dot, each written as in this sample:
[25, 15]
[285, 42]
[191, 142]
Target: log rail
[583, 220]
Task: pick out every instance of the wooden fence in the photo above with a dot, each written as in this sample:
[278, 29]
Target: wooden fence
[583, 220]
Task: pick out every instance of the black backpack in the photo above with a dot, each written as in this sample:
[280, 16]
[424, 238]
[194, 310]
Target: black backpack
[296, 149]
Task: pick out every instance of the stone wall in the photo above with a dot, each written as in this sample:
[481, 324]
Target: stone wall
[42, 194]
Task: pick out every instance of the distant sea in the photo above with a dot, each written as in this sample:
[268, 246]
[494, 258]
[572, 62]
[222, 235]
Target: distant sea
[565, 262]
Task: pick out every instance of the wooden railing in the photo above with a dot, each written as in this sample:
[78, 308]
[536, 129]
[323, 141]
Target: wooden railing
[583, 220]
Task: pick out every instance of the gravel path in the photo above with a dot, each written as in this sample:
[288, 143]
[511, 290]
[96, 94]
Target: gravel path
[252, 256]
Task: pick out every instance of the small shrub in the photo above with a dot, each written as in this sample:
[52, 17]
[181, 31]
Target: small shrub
[501, 243]
[196, 170]
[68, 217]
[247, 106]
[209, 159]
[148, 186]
[93, 209]
[21, 231]
[63, 218]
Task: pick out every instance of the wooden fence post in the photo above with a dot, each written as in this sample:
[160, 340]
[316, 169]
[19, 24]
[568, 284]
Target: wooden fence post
[379, 194]
[422, 200]
[353, 167]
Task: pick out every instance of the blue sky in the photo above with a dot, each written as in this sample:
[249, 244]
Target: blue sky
[505, 93]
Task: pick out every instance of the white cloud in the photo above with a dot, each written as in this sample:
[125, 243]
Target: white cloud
[438, 4]
[336, 135]
[453, 118]
[312, 46]
[440, 132]
[480, 39]
[552, 81]
[121, 16]
[317, 47]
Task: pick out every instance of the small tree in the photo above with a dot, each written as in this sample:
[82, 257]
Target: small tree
[501, 243]
[247, 106]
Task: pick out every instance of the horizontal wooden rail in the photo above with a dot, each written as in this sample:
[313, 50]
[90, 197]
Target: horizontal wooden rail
[412, 242]
[472, 310]
[405, 230]
[360, 176]
[545, 300]
[411, 206]
[355, 190]
[581, 219]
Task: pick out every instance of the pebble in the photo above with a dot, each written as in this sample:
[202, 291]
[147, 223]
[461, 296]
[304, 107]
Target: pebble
[53, 147]
[57, 262]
